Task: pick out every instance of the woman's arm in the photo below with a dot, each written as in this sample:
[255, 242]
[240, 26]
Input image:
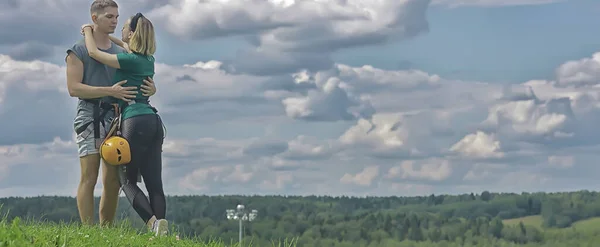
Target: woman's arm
[103, 57]
[119, 42]
[116, 41]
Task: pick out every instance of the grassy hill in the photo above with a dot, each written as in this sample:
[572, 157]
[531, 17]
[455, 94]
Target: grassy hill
[435, 220]
[583, 226]
[36, 233]
[534, 220]
[17, 233]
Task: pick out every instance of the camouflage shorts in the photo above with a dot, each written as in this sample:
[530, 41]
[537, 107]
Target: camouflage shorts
[85, 140]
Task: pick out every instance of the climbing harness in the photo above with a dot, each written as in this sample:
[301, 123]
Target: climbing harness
[100, 109]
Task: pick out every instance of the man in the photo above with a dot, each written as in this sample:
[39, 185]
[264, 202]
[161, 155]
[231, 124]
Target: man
[91, 82]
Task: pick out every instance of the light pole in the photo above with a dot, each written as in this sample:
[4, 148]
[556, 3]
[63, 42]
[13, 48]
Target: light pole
[240, 215]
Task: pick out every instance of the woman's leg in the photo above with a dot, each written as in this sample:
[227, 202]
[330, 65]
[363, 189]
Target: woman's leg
[152, 172]
[138, 131]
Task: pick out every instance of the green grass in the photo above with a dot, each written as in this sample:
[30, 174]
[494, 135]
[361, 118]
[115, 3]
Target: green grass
[534, 220]
[587, 225]
[18, 233]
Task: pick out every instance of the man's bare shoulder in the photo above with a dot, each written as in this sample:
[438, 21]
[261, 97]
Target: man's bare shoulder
[73, 59]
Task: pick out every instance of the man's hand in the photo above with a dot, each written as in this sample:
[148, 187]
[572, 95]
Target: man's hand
[123, 93]
[148, 88]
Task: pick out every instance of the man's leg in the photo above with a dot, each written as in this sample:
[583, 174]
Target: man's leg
[110, 194]
[89, 160]
[85, 192]
[110, 182]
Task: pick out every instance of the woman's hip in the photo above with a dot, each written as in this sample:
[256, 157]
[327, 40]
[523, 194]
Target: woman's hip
[143, 128]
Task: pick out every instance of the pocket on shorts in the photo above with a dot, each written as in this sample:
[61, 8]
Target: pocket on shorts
[81, 137]
[84, 114]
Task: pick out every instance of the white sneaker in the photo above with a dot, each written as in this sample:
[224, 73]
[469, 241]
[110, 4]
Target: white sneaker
[160, 227]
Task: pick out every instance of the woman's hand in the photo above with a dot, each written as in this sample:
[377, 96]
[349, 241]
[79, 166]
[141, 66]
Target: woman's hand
[84, 26]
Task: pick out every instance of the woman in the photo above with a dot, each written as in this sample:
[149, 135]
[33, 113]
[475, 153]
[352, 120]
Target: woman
[141, 125]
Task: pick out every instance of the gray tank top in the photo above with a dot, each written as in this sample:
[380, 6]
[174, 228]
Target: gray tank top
[94, 72]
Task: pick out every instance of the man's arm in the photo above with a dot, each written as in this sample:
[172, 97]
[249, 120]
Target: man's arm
[75, 85]
[77, 89]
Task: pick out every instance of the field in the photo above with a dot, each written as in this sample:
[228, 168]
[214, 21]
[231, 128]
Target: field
[19, 233]
[36, 233]
[587, 225]
[534, 220]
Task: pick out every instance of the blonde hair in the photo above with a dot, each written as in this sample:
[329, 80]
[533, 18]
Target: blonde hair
[143, 41]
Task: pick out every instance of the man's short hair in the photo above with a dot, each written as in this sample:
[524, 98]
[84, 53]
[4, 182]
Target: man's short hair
[99, 5]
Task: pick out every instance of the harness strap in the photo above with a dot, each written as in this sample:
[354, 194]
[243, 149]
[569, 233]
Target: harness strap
[99, 111]
[143, 101]
[96, 121]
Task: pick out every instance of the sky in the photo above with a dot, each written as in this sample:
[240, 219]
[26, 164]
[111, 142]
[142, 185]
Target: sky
[326, 97]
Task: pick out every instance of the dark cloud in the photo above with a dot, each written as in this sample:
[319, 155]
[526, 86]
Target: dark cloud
[30, 51]
[273, 62]
[26, 174]
[35, 116]
[299, 36]
[185, 78]
[9, 4]
[41, 21]
[265, 148]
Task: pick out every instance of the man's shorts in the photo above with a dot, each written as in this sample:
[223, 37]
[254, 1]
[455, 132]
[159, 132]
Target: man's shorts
[85, 140]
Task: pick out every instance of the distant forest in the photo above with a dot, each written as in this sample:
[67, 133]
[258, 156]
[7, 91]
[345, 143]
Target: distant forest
[434, 220]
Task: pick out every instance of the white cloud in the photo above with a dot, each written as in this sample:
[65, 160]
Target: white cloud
[561, 161]
[579, 72]
[492, 3]
[363, 178]
[283, 117]
[295, 34]
[479, 145]
[431, 169]
[34, 105]
[435, 135]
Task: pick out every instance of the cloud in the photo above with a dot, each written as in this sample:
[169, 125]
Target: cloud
[34, 104]
[282, 36]
[478, 145]
[30, 51]
[289, 35]
[363, 178]
[432, 169]
[32, 29]
[37, 21]
[310, 125]
[582, 72]
[55, 159]
[492, 3]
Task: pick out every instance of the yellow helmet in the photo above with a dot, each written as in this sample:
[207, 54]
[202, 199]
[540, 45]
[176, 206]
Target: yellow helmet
[115, 151]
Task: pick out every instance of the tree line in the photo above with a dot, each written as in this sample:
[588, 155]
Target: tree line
[434, 220]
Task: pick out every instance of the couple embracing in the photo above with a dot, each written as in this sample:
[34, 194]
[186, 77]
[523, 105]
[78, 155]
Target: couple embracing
[113, 80]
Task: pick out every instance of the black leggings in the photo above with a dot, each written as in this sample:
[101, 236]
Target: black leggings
[145, 135]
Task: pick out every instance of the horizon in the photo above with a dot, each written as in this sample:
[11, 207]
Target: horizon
[121, 196]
